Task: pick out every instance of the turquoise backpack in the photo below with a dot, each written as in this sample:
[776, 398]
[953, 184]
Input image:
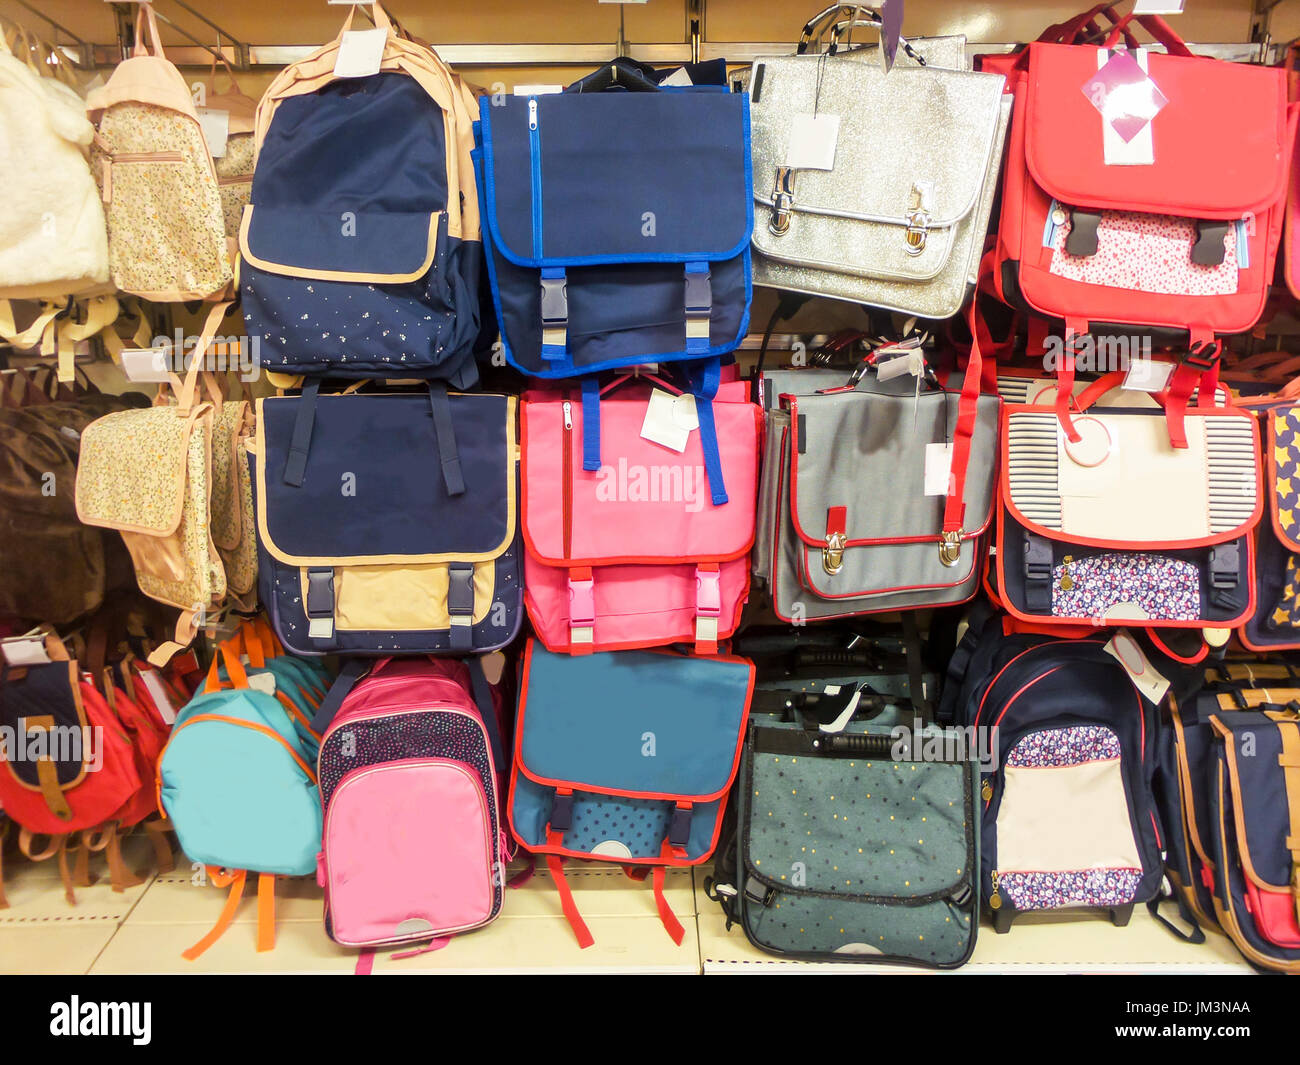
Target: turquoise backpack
[237, 779]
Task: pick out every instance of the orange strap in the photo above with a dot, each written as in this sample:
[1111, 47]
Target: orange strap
[227, 915]
[265, 911]
[580, 930]
[253, 645]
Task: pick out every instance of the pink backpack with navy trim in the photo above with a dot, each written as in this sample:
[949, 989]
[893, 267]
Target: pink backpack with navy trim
[411, 776]
[650, 546]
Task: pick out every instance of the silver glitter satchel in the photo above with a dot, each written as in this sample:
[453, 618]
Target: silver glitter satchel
[898, 220]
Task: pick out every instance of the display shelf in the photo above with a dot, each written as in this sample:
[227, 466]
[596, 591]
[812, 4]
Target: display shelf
[144, 930]
[1042, 945]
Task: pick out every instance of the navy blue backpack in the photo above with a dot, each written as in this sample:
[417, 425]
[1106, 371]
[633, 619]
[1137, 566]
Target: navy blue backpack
[617, 223]
[1069, 818]
[387, 524]
[361, 252]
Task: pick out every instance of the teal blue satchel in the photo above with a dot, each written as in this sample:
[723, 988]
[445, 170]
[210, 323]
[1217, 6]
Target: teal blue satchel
[845, 853]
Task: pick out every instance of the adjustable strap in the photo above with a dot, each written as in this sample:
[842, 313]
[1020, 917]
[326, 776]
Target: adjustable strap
[591, 423]
[295, 465]
[319, 603]
[1038, 566]
[670, 850]
[443, 426]
[560, 820]
[482, 691]
[555, 314]
[582, 610]
[352, 670]
[426, 948]
[1074, 331]
[954, 511]
[915, 678]
[460, 605]
[265, 912]
[1199, 372]
[1289, 760]
[708, 607]
[227, 916]
[704, 380]
[1194, 933]
[699, 307]
[120, 875]
[1225, 577]
[47, 771]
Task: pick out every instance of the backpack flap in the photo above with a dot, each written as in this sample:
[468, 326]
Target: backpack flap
[1261, 798]
[810, 802]
[646, 785]
[642, 246]
[413, 537]
[1123, 525]
[850, 450]
[1284, 475]
[872, 215]
[146, 473]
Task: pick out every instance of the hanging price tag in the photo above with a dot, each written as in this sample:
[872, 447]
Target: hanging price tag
[812, 142]
[216, 129]
[361, 53]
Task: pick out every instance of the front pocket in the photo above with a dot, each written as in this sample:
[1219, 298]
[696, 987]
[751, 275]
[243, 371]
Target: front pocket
[1064, 831]
[409, 852]
[1143, 253]
[1118, 586]
[401, 598]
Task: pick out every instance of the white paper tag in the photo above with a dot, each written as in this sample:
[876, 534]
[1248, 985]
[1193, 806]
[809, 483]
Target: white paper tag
[361, 53]
[216, 129]
[812, 142]
[831, 689]
[938, 469]
[24, 651]
[913, 363]
[678, 77]
[1158, 7]
[536, 90]
[262, 682]
[158, 693]
[1145, 677]
[146, 366]
[663, 424]
[685, 414]
[1148, 375]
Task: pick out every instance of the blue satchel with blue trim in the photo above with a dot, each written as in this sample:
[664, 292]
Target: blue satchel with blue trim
[616, 219]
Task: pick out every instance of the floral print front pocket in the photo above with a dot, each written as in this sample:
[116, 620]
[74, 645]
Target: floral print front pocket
[1126, 587]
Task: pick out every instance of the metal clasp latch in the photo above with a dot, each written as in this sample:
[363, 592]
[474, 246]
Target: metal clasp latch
[950, 547]
[918, 219]
[782, 201]
[833, 552]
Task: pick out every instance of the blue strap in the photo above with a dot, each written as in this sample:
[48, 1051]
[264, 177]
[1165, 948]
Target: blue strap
[487, 709]
[591, 423]
[295, 465]
[704, 379]
[351, 671]
[448, 453]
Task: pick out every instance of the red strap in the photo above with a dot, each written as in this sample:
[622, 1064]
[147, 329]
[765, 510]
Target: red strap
[1184, 381]
[671, 925]
[836, 521]
[556, 865]
[433, 944]
[365, 963]
[954, 510]
[1198, 656]
[1065, 382]
[1157, 27]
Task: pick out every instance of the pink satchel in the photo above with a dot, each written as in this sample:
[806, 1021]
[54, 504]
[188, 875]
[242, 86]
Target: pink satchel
[637, 553]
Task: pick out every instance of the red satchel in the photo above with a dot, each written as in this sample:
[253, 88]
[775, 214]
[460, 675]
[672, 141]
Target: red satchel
[1164, 215]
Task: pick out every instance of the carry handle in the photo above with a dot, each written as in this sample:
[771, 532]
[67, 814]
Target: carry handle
[146, 22]
[380, 16]
[619, 73]
[1157, 27]
[1083, 28]
[815, 28]
[1207, 396]
[654, 379]
[861, 16]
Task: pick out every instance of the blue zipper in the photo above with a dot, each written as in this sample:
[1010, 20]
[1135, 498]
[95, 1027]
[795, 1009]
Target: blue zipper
[535, 162]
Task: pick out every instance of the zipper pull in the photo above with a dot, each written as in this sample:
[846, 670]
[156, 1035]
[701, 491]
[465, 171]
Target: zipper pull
[995, 899]
[1067, 582]
[986, 792]
[532, 113]
[568, 415]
